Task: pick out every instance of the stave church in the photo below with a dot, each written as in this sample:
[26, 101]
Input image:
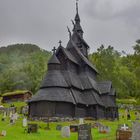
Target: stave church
[70, 87]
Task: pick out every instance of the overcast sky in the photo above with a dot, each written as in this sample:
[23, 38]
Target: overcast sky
[44, 22]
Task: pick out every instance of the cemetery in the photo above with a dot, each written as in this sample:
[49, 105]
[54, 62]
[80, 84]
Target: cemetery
[71, 102]
[14, 124]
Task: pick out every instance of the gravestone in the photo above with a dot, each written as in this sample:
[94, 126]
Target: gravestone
[32, 128]
[3, 133]
[136, 131]
[58, 127]
[24, 122]
[65, 131]
[84, 132]
[81, 121]
[104, 129]
[12, 119]
[74, 128]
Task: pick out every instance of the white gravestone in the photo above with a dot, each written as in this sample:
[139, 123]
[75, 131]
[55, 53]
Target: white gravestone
[12, 119]
[81, 121]
[4, 115]
[16, 116]
[3, 133]
[65, 131]
[24, 122]
[10, 115]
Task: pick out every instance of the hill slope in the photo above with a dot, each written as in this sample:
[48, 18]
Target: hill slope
[22, 67]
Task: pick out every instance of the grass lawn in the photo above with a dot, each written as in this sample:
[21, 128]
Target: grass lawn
[16, 132]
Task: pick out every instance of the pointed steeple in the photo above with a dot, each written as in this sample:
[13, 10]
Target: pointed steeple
[77, 17]
[54, 59]
[77, 26]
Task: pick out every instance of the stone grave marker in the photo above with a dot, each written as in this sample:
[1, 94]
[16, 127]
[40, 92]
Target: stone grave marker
[58, 127]
[65, 131]
[84, 132]
[81, 121]
[136, 131]
[3, 133]
[32, 128]
[24, 122]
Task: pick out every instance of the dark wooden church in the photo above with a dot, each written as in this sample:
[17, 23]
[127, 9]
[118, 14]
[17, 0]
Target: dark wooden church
[70, 88]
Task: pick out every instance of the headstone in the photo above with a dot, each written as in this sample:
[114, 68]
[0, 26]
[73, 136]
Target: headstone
[10, 114]
[12, 119]
[136, 131]
[24, 122]
[81, 121]
[58, 127]
[65, 131]
[3, 133]
[101, 129]
[16, 116]
[84, 132]
[74, 128]
[4, 114]
[123, 134]
[32, 128]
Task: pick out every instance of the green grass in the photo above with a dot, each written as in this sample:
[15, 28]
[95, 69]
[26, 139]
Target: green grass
[16, 132]
[127, 101]
[16, 104]
[16, 92]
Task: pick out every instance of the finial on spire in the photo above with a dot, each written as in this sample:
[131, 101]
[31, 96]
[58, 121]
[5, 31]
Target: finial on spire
[60, 42]
[69, 32]
[77, 6]
[54, 50]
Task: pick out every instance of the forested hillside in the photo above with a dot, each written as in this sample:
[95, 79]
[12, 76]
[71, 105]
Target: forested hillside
[22, 66]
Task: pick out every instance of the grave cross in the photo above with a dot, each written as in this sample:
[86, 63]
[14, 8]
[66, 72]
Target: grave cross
[54, 50]
[124, 127]
[60, 42]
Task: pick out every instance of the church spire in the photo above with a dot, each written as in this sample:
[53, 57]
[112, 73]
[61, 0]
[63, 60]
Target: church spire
[77, 17]
[77, 26]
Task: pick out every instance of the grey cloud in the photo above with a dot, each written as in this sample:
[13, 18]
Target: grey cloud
[44, 22]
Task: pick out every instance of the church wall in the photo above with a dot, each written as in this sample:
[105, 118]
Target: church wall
[41, 109]
[110, 113]
[80, 111]
[64, 109]
[100, 112]
[91, 112]
[46, 108]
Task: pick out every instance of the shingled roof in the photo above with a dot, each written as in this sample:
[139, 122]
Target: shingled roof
[53, 94]
[72, 45]
[54, 78]
[67, 54]
[105, 86]
[108, 101]
[53, 60]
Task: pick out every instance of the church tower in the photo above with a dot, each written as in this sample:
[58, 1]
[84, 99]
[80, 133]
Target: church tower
[77, 36]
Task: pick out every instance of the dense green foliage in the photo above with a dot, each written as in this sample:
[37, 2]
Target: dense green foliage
[122, 70]
[22, 67]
